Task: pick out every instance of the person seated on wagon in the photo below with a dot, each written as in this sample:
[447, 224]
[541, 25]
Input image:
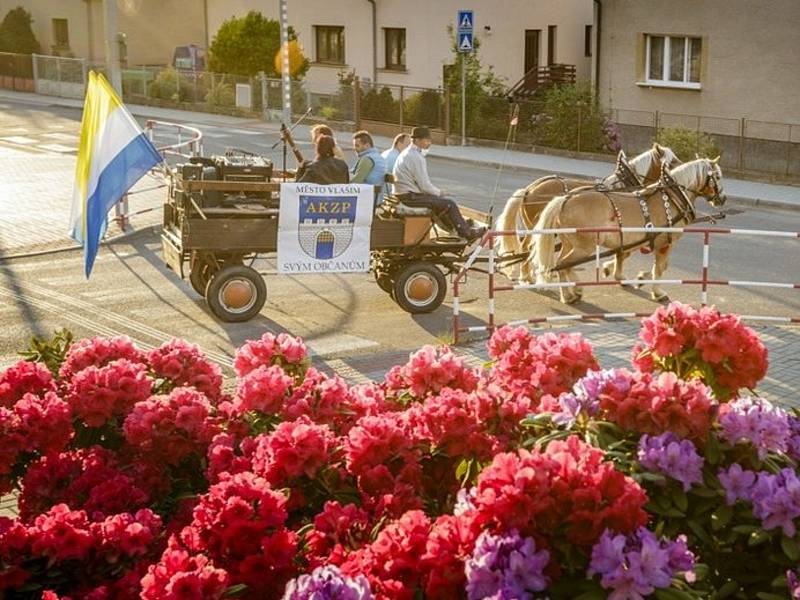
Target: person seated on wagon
[326, 168]
[413, 187]
[370, 167]
[319, 130]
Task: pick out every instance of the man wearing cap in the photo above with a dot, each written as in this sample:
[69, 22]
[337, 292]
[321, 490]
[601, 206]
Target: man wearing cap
[413, 186]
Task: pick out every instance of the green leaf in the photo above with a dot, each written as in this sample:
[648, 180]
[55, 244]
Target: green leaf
[746, 529]
[790, 549]
[729, 589]
[768, 596]
[461, 469]
[701, 571]
[679, 499]
[235, 590]
[699, 530]
[593, 595]
[757, 538]
[712, 450]
[672, 594]
[721, 517]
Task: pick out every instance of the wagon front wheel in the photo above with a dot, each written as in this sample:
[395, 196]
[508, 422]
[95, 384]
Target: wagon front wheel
[199, 277]
[420, 288]
[236, 293]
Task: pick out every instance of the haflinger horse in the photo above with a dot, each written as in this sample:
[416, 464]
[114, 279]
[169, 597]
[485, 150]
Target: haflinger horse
[528, 202]
[667, 203]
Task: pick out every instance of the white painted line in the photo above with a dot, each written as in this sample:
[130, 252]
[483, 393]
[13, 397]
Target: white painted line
[517, 323]
[60, 136]
[478, 328]
[217, 134]
[19, 130]
[18, 139]
[788, 234]
[651, 281]
[536, 286]
[623, 315]
[59, 148]
[248, 132]
[705, 255]
[56, 126]
[456, 305]
[491, 306]
[338, 343]
[704, 297]
[565, 318]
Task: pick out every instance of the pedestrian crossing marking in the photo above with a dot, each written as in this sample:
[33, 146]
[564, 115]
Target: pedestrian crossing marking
[59, 148]
[466, 21]
[60, 136]
[18, 139]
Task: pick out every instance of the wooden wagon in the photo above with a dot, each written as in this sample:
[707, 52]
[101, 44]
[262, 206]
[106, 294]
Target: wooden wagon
[410, 253]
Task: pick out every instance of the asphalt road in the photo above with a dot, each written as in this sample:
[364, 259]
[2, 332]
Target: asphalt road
[132, 293]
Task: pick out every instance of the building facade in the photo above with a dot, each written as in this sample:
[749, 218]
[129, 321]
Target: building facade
[152, 28]
[406, 42]
[723, 60]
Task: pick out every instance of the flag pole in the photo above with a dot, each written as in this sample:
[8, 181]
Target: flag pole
[285, 75]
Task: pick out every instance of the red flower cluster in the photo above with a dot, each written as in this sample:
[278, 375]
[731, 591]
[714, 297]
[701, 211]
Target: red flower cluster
[24, 378]
[32, 425]
[62, 534]
[528, 365]
[295, 449]
[702, 343]
[240, 526]
[282, 350]
[263, 389]
[392, 562]
[337, 531]
[87, 479]
[430, 370]
[98, 352]
[656, 404]
[98, 394]
[172, 427]
[566, 488]
[180, 575]
[449, 545]
[183, 364]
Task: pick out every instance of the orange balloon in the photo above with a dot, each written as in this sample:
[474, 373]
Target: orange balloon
[296, 58]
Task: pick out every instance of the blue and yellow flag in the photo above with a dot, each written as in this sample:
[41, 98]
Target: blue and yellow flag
[114, 154]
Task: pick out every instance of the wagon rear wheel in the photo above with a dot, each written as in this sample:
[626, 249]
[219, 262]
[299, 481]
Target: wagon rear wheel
[236, 294]
[420, 288]
[385, 282]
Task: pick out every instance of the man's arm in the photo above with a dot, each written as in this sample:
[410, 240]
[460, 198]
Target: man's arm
[421, 176]
[363, 168]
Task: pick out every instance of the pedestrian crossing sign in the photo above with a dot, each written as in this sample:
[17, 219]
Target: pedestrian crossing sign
[465, 42]
[465, 20]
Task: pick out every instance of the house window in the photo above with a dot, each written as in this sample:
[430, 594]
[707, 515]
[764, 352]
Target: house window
[551, 44]
[330, 44]
[395, 49]
[587, 40]
[60, 33]
[673, 61]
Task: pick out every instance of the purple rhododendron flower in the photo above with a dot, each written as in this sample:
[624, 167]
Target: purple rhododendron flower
[737, 483]
[793, 584]
[759, 422]
[635, 566]
[673, 457]
[327, 583]
[585, 396]
[505, 567]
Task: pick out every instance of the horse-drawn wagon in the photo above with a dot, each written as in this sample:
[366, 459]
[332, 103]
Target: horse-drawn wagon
[222, 213]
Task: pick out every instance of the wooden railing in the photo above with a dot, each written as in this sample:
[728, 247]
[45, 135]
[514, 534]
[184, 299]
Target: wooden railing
[542, 77]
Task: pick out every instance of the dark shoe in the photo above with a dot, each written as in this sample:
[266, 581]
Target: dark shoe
[475, 233]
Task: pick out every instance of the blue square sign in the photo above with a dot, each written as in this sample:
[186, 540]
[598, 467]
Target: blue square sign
[466, 21]
[465, 41]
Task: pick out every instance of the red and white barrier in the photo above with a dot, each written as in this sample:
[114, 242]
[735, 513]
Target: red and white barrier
[488, 243]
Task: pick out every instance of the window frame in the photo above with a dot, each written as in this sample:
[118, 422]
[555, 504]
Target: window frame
[665, 81]
[587, 41]
[55, 24]
[324, 31]
[389, 51]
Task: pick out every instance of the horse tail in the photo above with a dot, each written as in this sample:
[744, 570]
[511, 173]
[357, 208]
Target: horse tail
[543, 254]
[507, 221]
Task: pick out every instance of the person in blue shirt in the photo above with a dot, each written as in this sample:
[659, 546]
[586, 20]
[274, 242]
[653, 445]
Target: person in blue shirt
[370, 168]
[401, 142]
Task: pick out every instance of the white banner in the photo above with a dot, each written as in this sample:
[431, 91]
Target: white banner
[324, 228]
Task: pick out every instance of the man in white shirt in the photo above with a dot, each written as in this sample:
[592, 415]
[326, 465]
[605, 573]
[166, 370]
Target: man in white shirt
[413, 186]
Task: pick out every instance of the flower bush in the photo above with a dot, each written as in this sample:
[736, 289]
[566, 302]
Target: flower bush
[538, 476]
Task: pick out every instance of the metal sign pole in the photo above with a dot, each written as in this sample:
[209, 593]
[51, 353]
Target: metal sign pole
[286, 76]
[112, 45]
[463, 99]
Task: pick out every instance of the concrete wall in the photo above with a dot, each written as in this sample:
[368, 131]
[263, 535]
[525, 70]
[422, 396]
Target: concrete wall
[427, 42]
[153, 27]
[750, 57]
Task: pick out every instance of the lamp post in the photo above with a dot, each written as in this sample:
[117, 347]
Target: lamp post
[285, 75]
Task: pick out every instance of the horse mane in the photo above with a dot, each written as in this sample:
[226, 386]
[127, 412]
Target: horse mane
[641, 163]
[693, 173]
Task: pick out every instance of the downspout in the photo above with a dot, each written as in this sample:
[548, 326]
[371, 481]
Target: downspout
[598, 37]
[205, 22]
[374, 41]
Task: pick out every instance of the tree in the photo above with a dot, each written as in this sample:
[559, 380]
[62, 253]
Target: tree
[249, 44]
[16, 34]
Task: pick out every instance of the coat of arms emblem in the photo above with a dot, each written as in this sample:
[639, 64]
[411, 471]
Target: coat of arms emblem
[325, 228]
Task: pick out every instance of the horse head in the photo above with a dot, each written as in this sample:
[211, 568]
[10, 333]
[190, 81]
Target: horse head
[701, 177]
[647, 165]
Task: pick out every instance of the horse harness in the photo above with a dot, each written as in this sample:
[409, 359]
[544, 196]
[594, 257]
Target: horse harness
[672, 196]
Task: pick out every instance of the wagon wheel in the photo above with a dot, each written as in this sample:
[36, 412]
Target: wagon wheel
[236, 294]
[420, 288]
[203, 270]
[385, 281]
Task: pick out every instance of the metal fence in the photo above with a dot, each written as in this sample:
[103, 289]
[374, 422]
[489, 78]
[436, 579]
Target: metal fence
[745, 144]
[16, 72]
[59, 76]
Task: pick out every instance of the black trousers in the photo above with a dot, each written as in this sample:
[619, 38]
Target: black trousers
[442, 207]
